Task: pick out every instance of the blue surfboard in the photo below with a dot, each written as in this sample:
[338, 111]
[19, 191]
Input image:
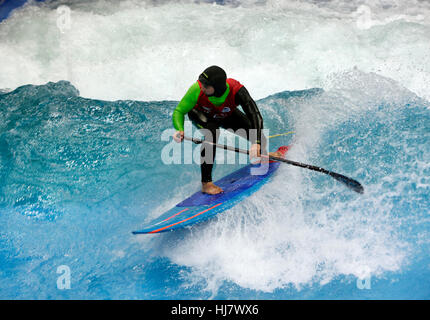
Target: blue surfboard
[201, 206]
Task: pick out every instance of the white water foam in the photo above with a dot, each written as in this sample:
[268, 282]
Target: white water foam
[154, 51]
[271, 242]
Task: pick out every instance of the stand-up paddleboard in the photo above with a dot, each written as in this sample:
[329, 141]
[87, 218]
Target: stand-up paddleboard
[201, 206]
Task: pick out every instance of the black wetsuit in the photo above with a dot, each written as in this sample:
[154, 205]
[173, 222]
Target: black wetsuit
[251, 119]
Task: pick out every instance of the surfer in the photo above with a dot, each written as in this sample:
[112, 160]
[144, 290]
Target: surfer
[211, 103]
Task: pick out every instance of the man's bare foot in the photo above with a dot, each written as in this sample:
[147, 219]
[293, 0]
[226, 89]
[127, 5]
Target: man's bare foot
[210, 188]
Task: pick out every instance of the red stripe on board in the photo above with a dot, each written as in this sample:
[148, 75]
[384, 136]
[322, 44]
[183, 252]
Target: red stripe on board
[175, 215]
[197, 214]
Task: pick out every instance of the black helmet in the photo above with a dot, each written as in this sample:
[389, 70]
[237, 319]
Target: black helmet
[216, 77]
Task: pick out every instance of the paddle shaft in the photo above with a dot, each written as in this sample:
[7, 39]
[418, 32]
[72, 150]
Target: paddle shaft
[350, 183]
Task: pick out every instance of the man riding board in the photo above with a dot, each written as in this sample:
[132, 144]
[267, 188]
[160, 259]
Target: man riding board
[212, 103]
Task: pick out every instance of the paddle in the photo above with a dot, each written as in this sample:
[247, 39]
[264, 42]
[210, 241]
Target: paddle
[350, 183]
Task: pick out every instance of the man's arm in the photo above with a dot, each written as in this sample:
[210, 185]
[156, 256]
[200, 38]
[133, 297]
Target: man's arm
[251, 110]
[185, 105]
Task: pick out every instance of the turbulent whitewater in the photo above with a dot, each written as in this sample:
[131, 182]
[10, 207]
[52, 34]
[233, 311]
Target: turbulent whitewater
[82, 112]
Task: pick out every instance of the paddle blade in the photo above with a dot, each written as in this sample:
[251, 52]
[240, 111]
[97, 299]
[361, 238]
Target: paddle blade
[350, 183]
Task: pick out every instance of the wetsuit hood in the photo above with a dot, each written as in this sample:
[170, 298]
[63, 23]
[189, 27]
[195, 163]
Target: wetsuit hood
[216, 77]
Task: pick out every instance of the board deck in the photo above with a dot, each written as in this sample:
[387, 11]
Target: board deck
[201, 206]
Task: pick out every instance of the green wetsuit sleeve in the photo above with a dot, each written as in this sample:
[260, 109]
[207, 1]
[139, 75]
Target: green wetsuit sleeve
[185, 105]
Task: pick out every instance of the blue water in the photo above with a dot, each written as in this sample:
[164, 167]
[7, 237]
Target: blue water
[7, 6]
[81, 144]
[78, 175]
